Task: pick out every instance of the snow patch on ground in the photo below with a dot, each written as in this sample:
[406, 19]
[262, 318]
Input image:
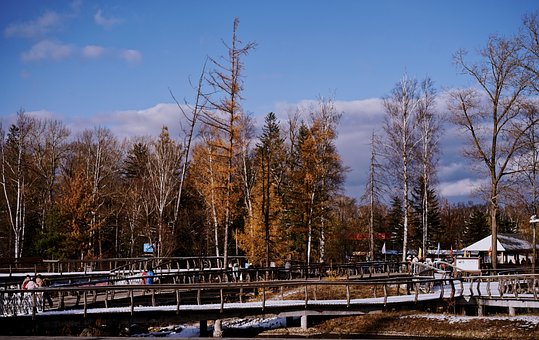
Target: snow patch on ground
[192, 331]
[451, 319]
[259, 323]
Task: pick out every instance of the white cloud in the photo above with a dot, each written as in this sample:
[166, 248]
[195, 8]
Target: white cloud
[451, 169]
[35, 28]
[105, 22]
[47, 50]
[360, 118]
[93, 51]
[131, 56]
[461, 187]
[363, 117]
[56, 51]
[43, 114]
[144, 122]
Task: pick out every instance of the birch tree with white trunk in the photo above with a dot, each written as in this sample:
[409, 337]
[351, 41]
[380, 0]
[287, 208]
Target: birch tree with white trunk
[401, 142]
[14, 150]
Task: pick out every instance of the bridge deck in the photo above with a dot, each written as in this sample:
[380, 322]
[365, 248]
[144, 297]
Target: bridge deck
[208, 301]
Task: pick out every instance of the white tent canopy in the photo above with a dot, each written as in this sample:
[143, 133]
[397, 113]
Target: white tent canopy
[484, 245]
[505, 242]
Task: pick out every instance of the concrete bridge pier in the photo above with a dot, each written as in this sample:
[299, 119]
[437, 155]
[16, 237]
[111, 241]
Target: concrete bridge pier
[304, 323]
[480, 311]
[512, 311]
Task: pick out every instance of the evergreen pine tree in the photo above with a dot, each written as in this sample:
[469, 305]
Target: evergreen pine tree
[395, 220]
[434, 228]
[476, 226]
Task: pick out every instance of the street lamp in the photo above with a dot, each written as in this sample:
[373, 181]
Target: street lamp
[533, 221]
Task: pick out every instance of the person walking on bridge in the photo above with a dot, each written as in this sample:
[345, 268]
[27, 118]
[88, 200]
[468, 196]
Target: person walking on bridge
[149, 276]
[43, 283]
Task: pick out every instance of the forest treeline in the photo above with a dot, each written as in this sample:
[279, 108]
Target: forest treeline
[275, 193]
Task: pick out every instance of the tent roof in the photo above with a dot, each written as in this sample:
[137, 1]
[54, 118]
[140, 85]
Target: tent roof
[505, 242]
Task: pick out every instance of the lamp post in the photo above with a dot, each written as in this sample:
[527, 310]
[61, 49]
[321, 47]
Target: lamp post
[533, 221]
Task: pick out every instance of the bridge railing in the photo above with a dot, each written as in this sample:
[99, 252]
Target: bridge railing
[168, 270]
[84, 298]
[136, 263]
[168, 274]
[503, 286]
[132, 265]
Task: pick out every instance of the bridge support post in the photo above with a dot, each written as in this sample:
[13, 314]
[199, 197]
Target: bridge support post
[203, 326]
[480, 310]
[512, 311]
[304, 323]
[217, 329]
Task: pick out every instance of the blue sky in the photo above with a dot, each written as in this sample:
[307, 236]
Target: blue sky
[112, 63]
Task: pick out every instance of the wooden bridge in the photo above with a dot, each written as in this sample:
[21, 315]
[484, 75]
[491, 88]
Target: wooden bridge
[213, 294]
[181, 270]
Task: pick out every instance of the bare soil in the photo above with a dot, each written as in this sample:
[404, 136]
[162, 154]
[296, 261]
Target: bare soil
[414, 325]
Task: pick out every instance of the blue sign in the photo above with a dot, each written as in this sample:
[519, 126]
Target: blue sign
[148, 248]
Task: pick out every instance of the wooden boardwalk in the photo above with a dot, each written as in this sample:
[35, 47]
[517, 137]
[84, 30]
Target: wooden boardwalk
[201, 295]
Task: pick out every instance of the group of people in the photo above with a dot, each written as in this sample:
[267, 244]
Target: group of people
[147, 276]
[29, 283]
[39, 282]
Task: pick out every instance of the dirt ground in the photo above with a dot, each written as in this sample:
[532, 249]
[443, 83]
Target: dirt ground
[414, 324]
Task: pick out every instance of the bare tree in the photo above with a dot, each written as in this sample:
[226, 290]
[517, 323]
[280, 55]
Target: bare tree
[98, 150]
[492, 115]
[224, 113]
[208, 179]
[523, 183]
[429, 130]
[401, 141]
[192, 119]
[14, 176]
[529, 41]
[373, 190]
[48, 143]
[138, 203]
[163, 169]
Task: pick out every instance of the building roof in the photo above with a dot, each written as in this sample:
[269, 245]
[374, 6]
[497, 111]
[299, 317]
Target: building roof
[505, 242]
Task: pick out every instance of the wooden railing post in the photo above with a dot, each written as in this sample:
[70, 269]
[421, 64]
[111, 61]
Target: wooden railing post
[347, 295]
[385, 294]
[479, 287]
[442, 288]
[85, 303]
[34, 305]
[263, 297]
[62, 301]
[132, 301]
[306, 295]
[222, 299]
[178, 301]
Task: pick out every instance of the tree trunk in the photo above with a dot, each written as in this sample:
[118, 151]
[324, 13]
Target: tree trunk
[494, 226]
